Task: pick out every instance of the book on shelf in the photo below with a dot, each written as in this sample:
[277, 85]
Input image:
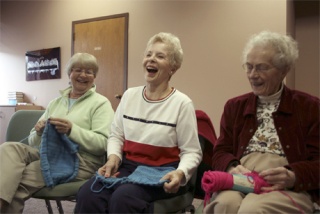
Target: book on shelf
[15, 97]
[15, 101]
[15, 93]
[25, 104]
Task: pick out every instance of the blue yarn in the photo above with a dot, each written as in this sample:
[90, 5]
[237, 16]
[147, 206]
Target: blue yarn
[143, 175]
[58, 157]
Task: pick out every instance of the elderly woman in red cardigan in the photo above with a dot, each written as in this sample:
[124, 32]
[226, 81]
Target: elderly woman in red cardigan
[273, 130]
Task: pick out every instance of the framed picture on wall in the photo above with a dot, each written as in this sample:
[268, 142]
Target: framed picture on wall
[43, 64]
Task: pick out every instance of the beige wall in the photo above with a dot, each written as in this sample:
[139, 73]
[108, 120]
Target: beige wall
[212, 34]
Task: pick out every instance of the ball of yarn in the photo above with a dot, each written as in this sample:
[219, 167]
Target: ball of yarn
[213, 181]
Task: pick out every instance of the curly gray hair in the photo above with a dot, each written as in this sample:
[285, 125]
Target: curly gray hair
[286, 48]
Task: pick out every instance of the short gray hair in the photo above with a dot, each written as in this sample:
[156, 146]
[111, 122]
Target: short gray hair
[285, 46]
[174, 47]
[83, 60]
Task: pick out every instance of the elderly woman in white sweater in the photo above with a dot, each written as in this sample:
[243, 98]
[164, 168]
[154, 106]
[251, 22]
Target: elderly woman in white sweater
[154, 126]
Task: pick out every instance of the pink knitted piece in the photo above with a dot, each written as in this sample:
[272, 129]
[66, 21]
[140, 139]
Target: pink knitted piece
[213, 181]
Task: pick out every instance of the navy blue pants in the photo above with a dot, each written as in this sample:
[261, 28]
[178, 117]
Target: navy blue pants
[122, 198]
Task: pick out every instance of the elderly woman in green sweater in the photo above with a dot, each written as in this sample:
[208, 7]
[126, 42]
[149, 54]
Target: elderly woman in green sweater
[80, 113]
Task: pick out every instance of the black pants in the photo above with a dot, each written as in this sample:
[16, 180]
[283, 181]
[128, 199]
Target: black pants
[122, 198]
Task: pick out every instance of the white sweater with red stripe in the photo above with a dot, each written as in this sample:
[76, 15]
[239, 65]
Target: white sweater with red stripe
[156, 132]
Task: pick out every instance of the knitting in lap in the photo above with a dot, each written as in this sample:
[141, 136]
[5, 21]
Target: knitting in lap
[143, 175]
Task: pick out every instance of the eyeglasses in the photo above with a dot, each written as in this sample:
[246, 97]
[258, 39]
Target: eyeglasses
[87, 71]
[260, 68]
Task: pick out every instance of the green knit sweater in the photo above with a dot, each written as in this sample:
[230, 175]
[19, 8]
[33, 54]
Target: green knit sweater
[91, 116]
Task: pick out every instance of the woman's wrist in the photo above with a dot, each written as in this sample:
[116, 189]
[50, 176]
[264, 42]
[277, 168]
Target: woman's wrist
[291, 179]
[114, 159]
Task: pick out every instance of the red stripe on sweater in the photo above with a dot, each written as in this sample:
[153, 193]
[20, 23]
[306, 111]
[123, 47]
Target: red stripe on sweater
[149, 154]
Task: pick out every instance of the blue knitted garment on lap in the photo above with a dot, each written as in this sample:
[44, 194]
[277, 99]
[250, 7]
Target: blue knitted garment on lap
[58, 157]
[143, 175]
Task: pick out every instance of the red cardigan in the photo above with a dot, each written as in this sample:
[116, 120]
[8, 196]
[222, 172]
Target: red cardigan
[297, 124]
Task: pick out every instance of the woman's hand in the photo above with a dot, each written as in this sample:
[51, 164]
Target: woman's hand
[279, 178]
[39, 127]
[238, 170]
[175, 178]
[62, 126]
[110, 168]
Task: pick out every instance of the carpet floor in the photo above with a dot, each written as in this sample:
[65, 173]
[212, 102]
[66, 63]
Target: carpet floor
[37, 206]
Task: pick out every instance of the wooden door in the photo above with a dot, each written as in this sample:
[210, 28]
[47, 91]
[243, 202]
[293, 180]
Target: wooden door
[107, 39]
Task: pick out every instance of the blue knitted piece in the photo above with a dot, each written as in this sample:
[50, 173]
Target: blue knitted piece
[58, 157]
[143, 175]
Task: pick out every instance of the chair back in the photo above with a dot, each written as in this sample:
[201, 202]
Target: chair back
[21, 123]
[207, 138]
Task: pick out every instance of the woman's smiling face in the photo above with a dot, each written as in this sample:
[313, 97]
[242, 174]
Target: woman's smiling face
[156, 64]
[81, 80]
[268, 79]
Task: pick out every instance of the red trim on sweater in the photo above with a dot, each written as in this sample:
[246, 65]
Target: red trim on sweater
[149, 154]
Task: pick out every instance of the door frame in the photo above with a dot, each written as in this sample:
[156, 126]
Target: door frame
[126, 18]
